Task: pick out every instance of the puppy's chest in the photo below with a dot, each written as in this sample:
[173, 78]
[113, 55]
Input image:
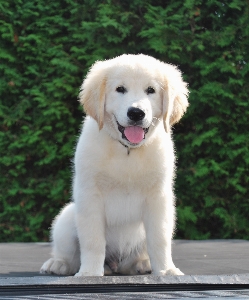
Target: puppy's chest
[123, 198]
[118, 181]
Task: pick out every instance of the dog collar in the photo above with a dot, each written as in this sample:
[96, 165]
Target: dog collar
[128, 149]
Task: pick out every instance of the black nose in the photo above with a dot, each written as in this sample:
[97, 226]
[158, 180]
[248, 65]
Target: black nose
[135, 114]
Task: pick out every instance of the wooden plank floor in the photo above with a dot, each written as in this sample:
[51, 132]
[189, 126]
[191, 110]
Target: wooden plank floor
[215, 269]
[211, 257]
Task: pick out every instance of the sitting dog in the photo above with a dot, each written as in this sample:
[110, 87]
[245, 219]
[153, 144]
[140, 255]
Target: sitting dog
[122, 217]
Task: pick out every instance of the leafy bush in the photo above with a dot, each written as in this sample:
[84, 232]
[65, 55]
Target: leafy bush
[46, 50]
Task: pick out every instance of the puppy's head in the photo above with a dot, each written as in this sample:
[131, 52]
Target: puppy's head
[131, 94]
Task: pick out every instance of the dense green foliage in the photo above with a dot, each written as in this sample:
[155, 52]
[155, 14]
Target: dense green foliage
[46, 50]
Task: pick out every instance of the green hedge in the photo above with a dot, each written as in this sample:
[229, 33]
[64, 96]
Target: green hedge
[46, 50]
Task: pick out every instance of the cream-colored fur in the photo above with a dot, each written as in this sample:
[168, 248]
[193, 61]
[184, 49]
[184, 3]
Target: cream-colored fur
[122, 216]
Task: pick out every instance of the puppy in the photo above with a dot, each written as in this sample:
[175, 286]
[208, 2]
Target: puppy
[122, 216]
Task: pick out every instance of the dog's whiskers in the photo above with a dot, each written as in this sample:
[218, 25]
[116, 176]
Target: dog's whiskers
[156, 119]
[110, 122]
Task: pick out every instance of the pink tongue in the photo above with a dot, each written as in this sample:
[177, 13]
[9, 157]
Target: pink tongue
[134, 134]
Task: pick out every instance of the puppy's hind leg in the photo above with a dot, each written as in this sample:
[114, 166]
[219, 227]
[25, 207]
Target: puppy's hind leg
[65, 255]
[138, 265]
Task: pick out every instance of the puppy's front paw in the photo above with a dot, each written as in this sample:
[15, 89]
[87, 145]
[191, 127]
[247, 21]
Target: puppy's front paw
[172, 271]
[88, 273]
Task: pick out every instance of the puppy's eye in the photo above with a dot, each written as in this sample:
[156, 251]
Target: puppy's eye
[121, 89]
[150, 90]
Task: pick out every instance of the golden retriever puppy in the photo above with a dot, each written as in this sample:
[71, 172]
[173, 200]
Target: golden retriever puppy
[122, 216]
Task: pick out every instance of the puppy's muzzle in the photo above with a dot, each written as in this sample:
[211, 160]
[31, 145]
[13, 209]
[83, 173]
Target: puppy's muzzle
[134, 133]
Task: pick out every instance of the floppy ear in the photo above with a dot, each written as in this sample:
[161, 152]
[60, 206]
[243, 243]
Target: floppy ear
[175, 97]
[92, 93]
